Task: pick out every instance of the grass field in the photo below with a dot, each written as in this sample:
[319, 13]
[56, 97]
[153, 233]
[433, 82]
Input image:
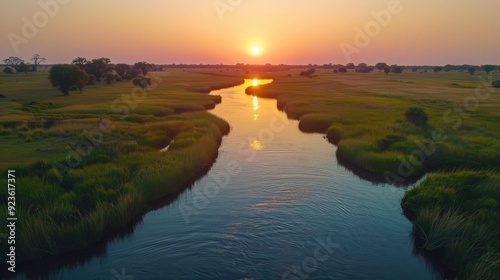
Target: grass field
[363, 114]
[89, 163]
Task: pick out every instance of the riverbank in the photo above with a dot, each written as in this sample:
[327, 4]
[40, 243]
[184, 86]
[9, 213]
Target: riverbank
[364, 115]
[107, 168]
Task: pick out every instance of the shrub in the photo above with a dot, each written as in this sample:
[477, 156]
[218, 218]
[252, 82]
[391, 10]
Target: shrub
[308, 73]
[9, 70]
[496, 84]
[417, 116]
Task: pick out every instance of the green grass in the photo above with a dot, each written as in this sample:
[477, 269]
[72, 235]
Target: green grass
[122, 172]
[371, 107]
[458, 213]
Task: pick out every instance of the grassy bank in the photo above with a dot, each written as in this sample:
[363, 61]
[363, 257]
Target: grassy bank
[85, 168]
[455, 213]
[364, 115]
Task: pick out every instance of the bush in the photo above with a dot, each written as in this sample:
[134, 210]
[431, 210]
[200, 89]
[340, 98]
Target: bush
[308, 73]
[496, 84]
[9, 70]
[417, 116]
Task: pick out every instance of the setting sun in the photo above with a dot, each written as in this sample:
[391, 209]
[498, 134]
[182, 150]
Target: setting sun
[255, 51]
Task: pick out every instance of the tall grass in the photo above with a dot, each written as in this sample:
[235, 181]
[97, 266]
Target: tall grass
[101, 195]
[458, 213]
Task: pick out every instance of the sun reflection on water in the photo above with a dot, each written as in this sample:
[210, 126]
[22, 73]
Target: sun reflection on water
[255, 103]
[256, 145]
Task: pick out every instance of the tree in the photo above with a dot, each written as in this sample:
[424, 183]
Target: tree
[121, 69]
[397, 69]
[23, 67]
[342, 70]
[350, 66]
[144, 67]
[66, 76]
[308, 73]
[496, 84]
[133, 73]
[37, 60]
[417, 116]
[13, 62]
[141, 82]
[437, 69]
[487, 68]
[471, 70]
[109, 78]
[362, 65]
[415, 69]
[380, 66]
[387, 69]
[98, 67]
[80, 62]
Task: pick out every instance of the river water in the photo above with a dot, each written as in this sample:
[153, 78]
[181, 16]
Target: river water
[275, 205]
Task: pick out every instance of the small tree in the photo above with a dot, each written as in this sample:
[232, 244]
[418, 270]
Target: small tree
[66, 76]
[471, 70]
[487, 68]
[80, 62]
[143, 83]
[37, 60]
[342, 70]
[397, 69]
[121, 69]
[380, 66]
[417, 116]
[387, 69]
[144, 67]
[308, 73]
[437, 69]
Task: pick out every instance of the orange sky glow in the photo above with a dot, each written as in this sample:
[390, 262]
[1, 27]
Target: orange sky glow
[254, 31]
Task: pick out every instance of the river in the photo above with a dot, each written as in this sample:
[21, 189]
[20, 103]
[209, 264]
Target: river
[283, 209]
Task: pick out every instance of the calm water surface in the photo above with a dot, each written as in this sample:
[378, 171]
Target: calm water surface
[288, 211]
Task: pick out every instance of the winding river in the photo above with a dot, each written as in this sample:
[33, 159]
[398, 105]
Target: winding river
[275, 205]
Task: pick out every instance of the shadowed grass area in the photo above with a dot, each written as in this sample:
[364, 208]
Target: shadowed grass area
[105, 146]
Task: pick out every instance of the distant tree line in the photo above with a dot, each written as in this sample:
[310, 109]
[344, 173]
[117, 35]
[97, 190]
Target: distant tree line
[396, 69]
[15, 65]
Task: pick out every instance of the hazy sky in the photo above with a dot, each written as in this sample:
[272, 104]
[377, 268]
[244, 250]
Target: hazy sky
[225, 31]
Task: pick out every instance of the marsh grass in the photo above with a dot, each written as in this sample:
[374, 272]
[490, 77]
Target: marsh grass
[120, 177]
[459, 213]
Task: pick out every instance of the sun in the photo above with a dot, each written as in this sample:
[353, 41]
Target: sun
[256, 51]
